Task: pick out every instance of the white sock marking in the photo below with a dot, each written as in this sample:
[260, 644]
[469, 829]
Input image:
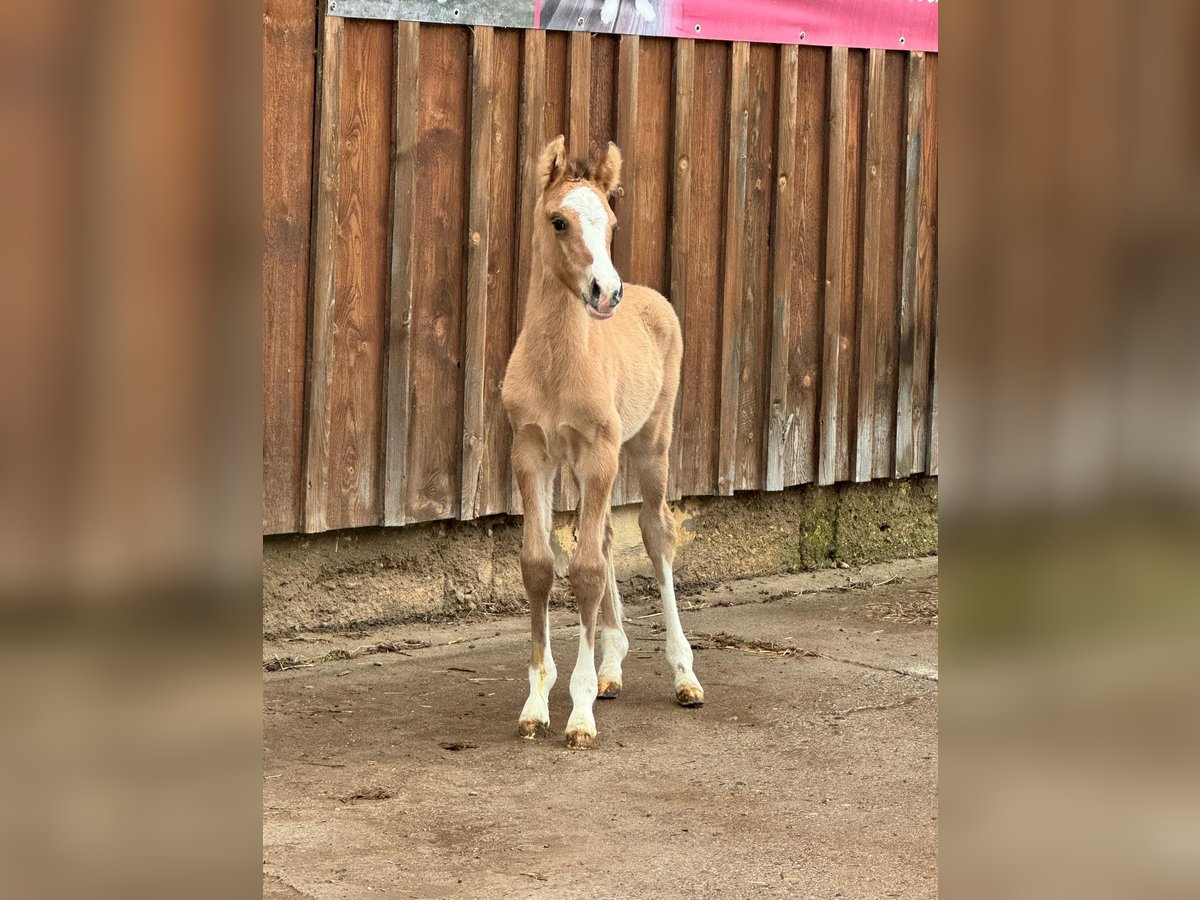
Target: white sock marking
[679, 651]
[583, 688]
[541, 679]
[613, 647]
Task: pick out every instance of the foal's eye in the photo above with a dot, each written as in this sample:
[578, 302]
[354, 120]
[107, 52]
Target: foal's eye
[559, 223]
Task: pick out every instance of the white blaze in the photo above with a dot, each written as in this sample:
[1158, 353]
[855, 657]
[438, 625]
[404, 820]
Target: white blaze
[593, 223]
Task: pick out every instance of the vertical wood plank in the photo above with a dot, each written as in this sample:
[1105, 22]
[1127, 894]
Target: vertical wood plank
[931, 276]
[400, 292]
[914, 114]
[647, 200]
[731, 358]
[603, 106]
[495, 471]
[532, 139]
[681, 215]
[478, 231]
[558, 62]
[868, 319]
[646, 205]
[848, 365]
[757, 248]
[782, 267]
[809, 186]
[435, 394]
[289, 84]
[698, 439]
[324, 274]
[926, 270]
[362, 260]
[932, 466]
[628, 82]
[579, 132]
[887, 346]
[835, 276]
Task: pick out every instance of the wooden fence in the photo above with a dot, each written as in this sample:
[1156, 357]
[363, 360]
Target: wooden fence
[784, 198]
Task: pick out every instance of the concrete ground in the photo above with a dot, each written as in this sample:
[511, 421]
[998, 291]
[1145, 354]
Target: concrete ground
[393, 768]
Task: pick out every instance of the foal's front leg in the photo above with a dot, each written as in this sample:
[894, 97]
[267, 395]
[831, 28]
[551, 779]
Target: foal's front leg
[535, 477]
[596, 469]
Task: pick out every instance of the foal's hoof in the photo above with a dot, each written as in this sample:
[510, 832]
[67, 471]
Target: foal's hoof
[580, 740]
[689, 695]
[532, 729]
[608, 688]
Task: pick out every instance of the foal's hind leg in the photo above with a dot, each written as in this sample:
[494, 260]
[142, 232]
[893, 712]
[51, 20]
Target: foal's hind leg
[650, 456]
[613, 643]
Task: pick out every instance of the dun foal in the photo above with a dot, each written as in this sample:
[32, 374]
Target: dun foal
[584, 381]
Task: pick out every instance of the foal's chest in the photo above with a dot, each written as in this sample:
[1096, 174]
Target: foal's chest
[567, 429]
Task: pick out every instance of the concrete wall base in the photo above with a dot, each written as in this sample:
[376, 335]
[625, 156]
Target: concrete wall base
[449, 570]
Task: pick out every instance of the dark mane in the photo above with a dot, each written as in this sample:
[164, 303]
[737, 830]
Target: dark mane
[583, 168]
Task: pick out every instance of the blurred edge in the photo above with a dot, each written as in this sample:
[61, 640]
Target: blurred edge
[1070, 394]
[130, 672]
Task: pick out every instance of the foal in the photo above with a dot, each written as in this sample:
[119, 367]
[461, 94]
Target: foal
[585, 379]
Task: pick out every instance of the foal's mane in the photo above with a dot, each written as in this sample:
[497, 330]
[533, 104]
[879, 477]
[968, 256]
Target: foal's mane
[587, 168]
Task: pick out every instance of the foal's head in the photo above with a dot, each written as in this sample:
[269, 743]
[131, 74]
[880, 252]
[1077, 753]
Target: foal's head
[575, 222]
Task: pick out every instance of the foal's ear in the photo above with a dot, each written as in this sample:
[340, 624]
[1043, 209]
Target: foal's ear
[608, 172]
[553, 162]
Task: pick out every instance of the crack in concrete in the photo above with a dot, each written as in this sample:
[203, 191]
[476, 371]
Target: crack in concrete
[911, 673]
[724, 641]
[881, 707]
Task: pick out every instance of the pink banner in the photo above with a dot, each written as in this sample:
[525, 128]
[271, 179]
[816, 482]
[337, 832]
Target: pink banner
[885, 24]
[888, 24]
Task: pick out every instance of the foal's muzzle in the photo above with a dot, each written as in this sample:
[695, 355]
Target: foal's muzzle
[598, 305]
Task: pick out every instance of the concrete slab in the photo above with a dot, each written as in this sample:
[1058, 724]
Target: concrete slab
[810, 772]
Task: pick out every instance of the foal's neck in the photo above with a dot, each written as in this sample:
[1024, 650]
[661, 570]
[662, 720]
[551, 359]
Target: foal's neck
[557, 325]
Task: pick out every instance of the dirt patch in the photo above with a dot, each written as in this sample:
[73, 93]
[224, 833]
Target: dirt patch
[725, 641]
[456, 746]
[369, 794]
[917, 606]
[283, 663]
